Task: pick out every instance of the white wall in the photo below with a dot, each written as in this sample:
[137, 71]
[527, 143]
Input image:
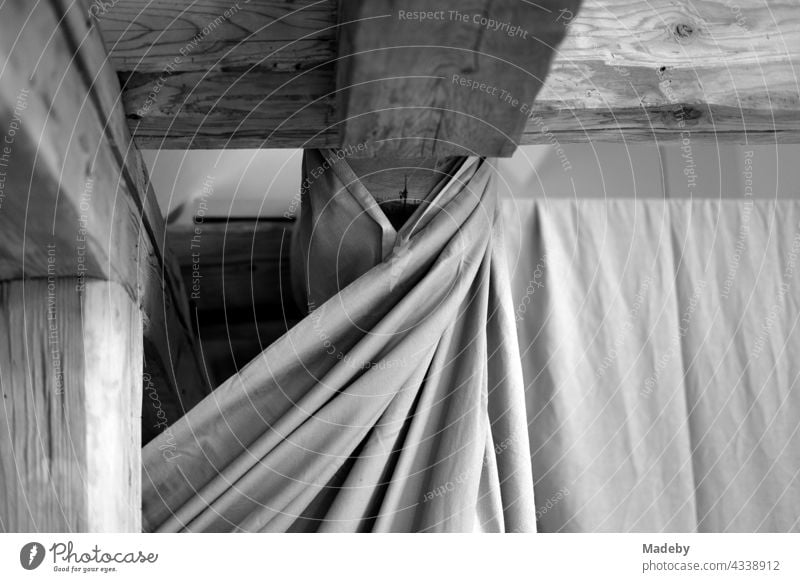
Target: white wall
[245, 183]
[620, 171]
[249, 183]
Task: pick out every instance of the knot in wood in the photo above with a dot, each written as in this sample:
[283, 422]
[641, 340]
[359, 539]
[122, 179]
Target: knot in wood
[683, 30]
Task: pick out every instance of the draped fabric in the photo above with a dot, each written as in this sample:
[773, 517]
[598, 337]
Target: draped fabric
[396, 405]
[660, 343]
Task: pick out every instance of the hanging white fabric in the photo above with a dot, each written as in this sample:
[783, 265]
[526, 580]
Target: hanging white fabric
[395, 405]
[660, 343]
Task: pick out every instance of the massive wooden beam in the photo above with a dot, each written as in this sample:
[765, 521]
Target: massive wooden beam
[417, 80]
[174, 377]
[627, 70]
[650, 71]
[76, 207]
[224, 74]
[79, 182]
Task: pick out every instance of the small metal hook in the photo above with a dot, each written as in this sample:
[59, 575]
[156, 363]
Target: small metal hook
[404, 193]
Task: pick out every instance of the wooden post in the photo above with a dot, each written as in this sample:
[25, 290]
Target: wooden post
[85, 283]
[70, 376]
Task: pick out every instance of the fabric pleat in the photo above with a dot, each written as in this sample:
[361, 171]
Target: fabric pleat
[396, 405]
[660, 344]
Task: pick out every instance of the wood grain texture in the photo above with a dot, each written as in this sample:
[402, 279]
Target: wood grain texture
[627, 70]
[242, 109]
[452, 83]
[172, 360]
[75, 180]
[70, 377]
[644, 71]
[225, 74]
[63, 182]
[113, 353]
[218, 34]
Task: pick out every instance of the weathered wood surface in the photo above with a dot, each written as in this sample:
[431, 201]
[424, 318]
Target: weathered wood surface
[173, 365]
[62, 177]
[75, 180]
[215, 34]
[630, 70]
[627, 70]
[70, 377]
[225, 74]
[416, 80]
[238, 277]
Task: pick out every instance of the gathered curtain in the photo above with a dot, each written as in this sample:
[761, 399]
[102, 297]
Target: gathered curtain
[397, 404]
[632, 363]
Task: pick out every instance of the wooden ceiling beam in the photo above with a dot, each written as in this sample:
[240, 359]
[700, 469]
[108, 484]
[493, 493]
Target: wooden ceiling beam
[652, 71]
[223, 74]
[416, 80]
[626, 71]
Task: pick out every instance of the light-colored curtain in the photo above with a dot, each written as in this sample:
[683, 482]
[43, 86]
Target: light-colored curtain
[397, 404]
[660, 343]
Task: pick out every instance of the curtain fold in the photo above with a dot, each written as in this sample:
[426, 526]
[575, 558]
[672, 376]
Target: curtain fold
[395, 405]
[660, 346]
[652, 382]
